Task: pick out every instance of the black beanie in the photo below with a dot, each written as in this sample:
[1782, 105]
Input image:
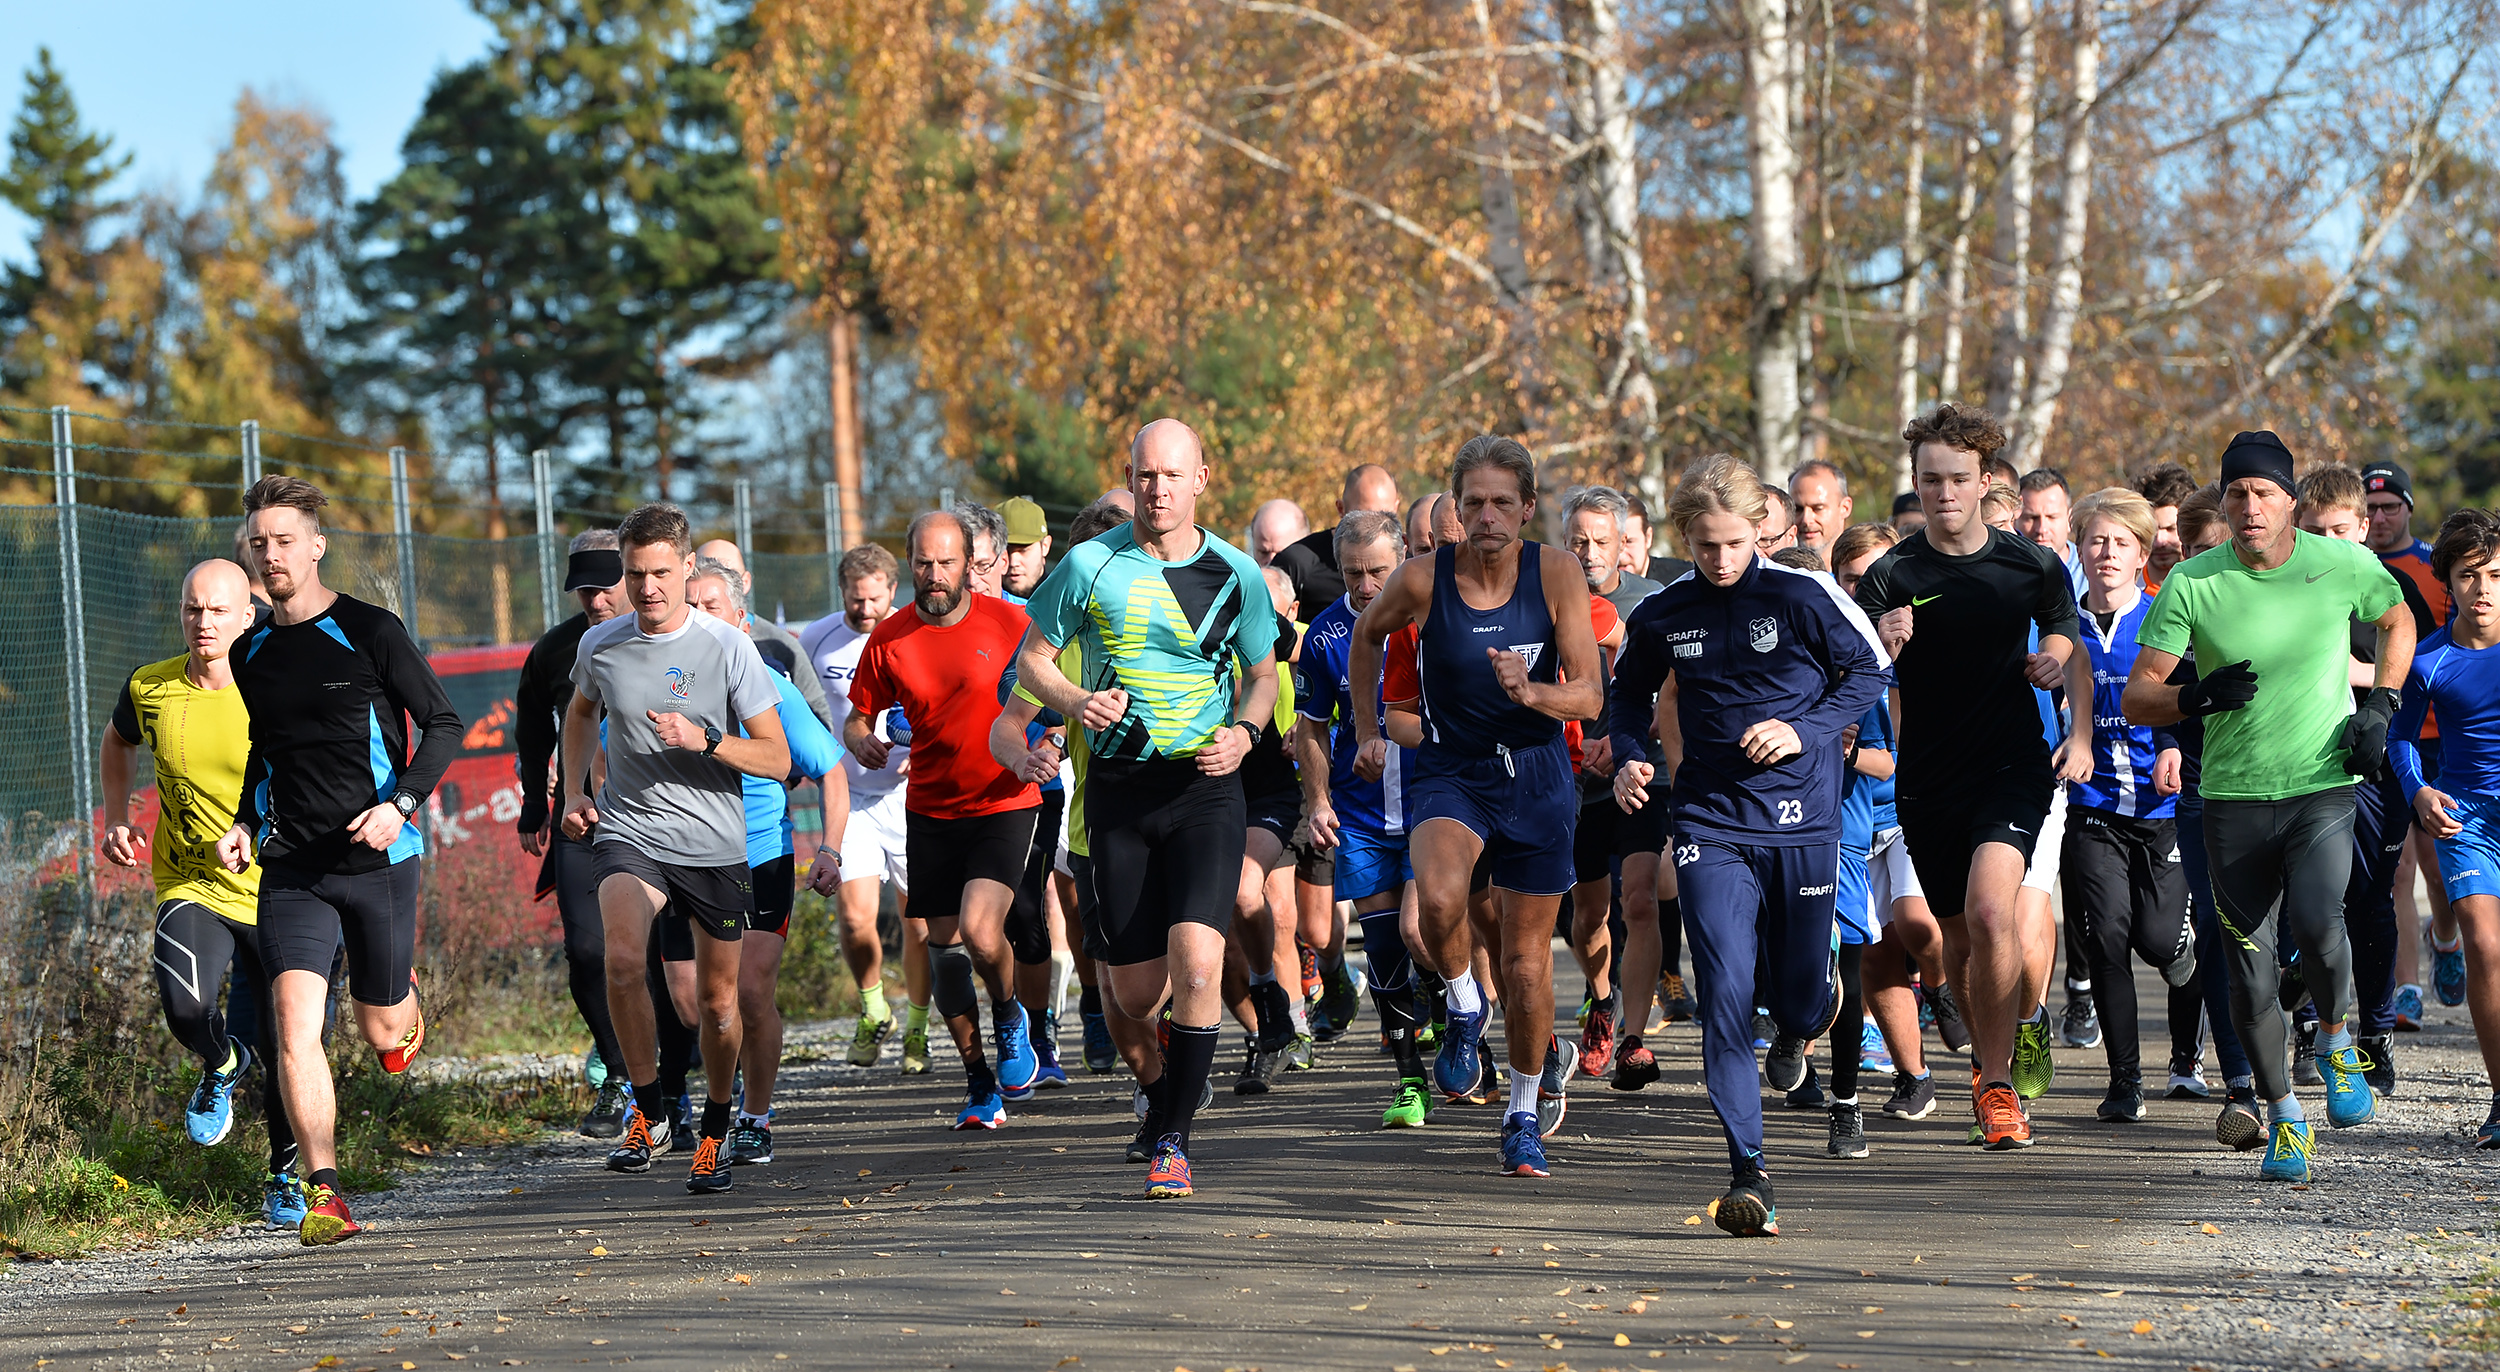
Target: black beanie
[2258, 453]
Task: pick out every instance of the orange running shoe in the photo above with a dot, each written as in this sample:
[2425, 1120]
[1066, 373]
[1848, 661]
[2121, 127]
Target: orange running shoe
[2002, 1123]
[326, 1219]
[395, 1059]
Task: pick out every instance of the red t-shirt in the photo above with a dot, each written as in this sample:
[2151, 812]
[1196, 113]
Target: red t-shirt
[947, 681]
[1399, 682]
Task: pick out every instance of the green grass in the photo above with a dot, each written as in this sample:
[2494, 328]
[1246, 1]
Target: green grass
[2467, 1315]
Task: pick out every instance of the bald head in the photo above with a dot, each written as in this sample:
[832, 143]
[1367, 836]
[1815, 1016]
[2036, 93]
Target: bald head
[216, 609]
[726, 553]
[1167, 472]
[1368, 487]
[1274, 528]
[1168, 436]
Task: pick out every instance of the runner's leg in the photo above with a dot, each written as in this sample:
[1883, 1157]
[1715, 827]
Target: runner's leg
[586, 947]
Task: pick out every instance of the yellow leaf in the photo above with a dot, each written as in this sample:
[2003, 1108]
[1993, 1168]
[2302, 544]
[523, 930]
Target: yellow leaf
[598, 1250]
[1692, 1219]
[1549, 1248]
[1359, 1308]
[297, 1328]
[2210, 1229]
[2144, 1326]
[1551, 1263]
[1089, 1255]
[1727, 1338]
[1783, 1324]
[1866, 1333]
[1793, 1359]
[1623, 1341]
[743, 1278]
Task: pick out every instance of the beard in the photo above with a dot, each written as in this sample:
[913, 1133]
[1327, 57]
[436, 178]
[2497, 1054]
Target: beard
[937, 602]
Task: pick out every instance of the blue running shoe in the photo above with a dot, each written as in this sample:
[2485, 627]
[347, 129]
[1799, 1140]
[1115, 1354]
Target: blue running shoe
[210, 1115]
[1873, 1056]
[1052, 1076]
[982, 1110]
[2349, 1099]
[1018, 1064]
[2488, 1136]
[2409, 1008]
[2448, 971]
[283, 1201]
[1457, 1069]
[1101, 1054]
[1763, 1029]
[2288, 1158]
[1523, 1154]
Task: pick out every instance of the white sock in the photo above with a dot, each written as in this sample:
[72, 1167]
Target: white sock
[1523, 1086]
[1464, 997]
[747, 1121]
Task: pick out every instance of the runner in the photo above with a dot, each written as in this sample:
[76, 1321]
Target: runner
[1779, 522]
[669, 824]
[872, 842]
[1274, 527]
[1956, 604]
[1178, 631]
[2125, 888]
[1821, 495]
[2457, 673]
[969, 823]
[333, 686]
[595, 575]
[1263, 932]
[778, 645]
[1493, 776]
[716, 589]
[194, 727]
[1311, 563]
[1757, 806]
[1042, 959]
[2164, 487]
[1674, 1003]
[2282, 746]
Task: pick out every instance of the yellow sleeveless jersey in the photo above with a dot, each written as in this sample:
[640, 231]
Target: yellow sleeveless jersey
[201, 740]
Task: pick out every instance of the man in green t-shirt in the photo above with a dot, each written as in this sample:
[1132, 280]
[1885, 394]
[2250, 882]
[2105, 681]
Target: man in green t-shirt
[2268, 615]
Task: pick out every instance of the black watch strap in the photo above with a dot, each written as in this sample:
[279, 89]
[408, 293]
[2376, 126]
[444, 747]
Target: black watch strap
[407, 804]
[711, 740]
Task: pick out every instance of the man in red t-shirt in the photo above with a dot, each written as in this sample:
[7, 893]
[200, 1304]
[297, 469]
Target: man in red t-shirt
[967, 822]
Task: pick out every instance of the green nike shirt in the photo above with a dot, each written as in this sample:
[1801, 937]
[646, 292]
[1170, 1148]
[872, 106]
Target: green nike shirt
[2293, 625]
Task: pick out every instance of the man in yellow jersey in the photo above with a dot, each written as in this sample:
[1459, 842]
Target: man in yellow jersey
[186, 711]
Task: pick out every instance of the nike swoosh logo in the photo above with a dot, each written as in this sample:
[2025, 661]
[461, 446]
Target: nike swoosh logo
[2026, 833]
[1923, 599]
[2313, 576]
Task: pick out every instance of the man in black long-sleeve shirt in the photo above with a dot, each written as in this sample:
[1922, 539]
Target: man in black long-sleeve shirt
[332, 684]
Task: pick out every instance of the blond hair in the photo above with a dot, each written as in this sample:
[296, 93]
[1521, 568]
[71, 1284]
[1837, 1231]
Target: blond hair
[1717, 484]
[1999, 503]
[2122, 507]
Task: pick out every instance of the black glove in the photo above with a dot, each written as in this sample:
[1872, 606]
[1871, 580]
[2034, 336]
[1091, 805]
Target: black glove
[2229, 688]
[2365, 734]
[533, 814]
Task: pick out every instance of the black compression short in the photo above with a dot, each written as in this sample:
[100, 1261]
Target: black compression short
[945, 855]
[1028, 920]
[1167, 844]
[774, 890]
[2004, 806]
[1278, 812]
[713, 898]
[305, 918]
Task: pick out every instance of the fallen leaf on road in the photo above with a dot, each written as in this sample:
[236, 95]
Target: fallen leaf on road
[297, 1328]
[1692, 1219]
[793, 1238]
[865, 1172]
[1637, 1308]
[1262, 1236]
[1623, 1341]
[1089, 1255]
[1551, 1263]
[743, 1278]
[2144, 1326]
[1442, 1352]
[1550, 1248]
[187, 1305]
[1071, 1358]
[2210, 1229]
[598, 1343]
[2027, 1276]
[1501, 1362]
[1726, 1338]
[598, 1250]
[1793, 1358]
[1364, 1306]
[1783, 1324]
[1495, 1250]
[1866, 1333]
[2113, 1295]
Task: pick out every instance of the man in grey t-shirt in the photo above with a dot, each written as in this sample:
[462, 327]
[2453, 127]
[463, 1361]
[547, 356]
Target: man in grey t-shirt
[671, 821]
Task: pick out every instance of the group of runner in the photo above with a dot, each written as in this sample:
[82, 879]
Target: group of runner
[1846, 762]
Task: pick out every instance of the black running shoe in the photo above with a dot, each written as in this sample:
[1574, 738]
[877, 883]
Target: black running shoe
[1784, 1066]
[2305, 1056]
[2125, 1102]
[711, 1168]
[1259, 1069]
[1848, 1137]
[1746, 1210]
[1947, 1009]
[750, 1144]
[633, 1152]
[2240, 1126]
[1809, 1093]
[606, 1119]
[1913, 1098]
[1142, 1147]
[2380, 1049]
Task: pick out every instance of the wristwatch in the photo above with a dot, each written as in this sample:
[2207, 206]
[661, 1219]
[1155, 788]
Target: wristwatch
[1248, 728]
[406, 804]
[711, 740]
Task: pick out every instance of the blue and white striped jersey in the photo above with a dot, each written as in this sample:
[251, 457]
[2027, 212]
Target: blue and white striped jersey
[2122, 753]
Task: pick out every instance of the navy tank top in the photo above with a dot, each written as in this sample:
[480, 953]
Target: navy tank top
[1467, 714]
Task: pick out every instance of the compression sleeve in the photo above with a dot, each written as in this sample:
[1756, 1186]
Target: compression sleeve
[2404, 748]
[1632, 698]
[411, 688]
[533, 737]
[126, 717]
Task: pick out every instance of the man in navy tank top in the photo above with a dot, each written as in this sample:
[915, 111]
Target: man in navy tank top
[1506, 654]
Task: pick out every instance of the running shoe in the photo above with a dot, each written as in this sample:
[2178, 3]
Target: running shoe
[2079, 1026]
[2002, 1123]
[1051, 1076]
[710, 1172]
[2239, 1127]
[2305, 1055]
[2288, 1158]
[1913, 1098]
[1259, 1069]
[2292, 987]
[1848, 1133]
[2124, 1104]
[2408, 1009]
[1411, 1107]
[1676, 1004]
[2489, 1135]
[1763, 1029]
[1784, 1067]
[606, 1119]
[750, 1144]
[2380, 1049]
[1523, 1155]
[2034, 1067]
[1310, 972]
[283, 1200]
[681, 1130]
[1635, 1066]
[1809, 1093]
[868, 1040]
[1873, 1055]
[1342, 998]
[395, 1059]
[1101, 1054]
[633, 1152]
[326, 1219]
[2187, 1081]
[210, 1115]
[1298, 1054]
[1746, 1210]
[2349, 1099]
[1141, 1147]
[1168, 1179]
[1458, 1069]
[1560, 1059]
[1597, 1038]
[2181, 970]
[1018, 1064]
[982, 1109]
[916, 1051]
[2448, 970]
[1947, 1009]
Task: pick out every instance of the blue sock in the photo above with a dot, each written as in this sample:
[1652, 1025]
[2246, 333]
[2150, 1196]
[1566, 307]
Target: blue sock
[2340, 1039]
[2285, 1111]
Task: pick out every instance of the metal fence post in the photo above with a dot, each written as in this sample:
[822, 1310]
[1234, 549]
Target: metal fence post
[833, 547]
[251, 453]
[542, 483]
[405, 536]
[745, 530]
[74, 629]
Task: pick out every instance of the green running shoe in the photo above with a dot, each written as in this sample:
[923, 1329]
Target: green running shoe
[2288, 1158]
[869, 1039]
[915, 1051]
[2034, 1068]
[1413, 1104]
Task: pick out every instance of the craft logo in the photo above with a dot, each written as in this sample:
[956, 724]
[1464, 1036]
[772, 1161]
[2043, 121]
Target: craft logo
[680, 683]
[1763, 634]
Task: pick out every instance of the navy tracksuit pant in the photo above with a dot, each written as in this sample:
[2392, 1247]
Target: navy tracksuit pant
[1740, 902]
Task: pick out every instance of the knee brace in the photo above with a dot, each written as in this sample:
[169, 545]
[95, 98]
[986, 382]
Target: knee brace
[951, 986]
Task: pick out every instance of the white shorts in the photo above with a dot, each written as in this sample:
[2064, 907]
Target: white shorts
[872, 842]
[1067, 787]
[2041, 876]
[1890, 876]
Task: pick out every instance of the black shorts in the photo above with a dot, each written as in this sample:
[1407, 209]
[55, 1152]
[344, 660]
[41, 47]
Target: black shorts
[771, 892]
[2004, 806]
[1593, 840]
[945, 855]
[1167, 844]
[1278, 812]
[714, 899]
[1643, 830]
[304, 918]
[1028, 920]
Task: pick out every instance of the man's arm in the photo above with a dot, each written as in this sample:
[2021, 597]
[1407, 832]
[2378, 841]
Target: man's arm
[2396, 642]
[1406, 597]
[1640, 670]
[534, 731]
[2073, 760]
[764, 752]
[581, 742]
[122, 844]
[1008, 748]
[2149, 697]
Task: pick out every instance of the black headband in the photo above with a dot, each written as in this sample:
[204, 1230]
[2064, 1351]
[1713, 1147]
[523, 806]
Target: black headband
[594, 569]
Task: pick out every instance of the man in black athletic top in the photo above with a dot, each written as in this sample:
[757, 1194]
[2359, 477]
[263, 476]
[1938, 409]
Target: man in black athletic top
[332, 684]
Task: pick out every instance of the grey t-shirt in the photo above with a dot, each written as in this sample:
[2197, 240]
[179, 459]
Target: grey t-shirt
[673, 803]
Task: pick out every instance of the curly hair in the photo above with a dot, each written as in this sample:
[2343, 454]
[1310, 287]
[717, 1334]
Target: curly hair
[2468, 538]
[2167, 483]
[1965, 428]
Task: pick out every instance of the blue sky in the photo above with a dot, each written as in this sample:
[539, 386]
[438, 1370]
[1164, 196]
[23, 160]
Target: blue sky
[161, 76]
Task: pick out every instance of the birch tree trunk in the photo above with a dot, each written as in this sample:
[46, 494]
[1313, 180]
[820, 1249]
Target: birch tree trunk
[1913, 244]
[1613, 193]
[2074, 203]
[1505, 248]
[1775, 256]
[2013, 241]
[1965, 205]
